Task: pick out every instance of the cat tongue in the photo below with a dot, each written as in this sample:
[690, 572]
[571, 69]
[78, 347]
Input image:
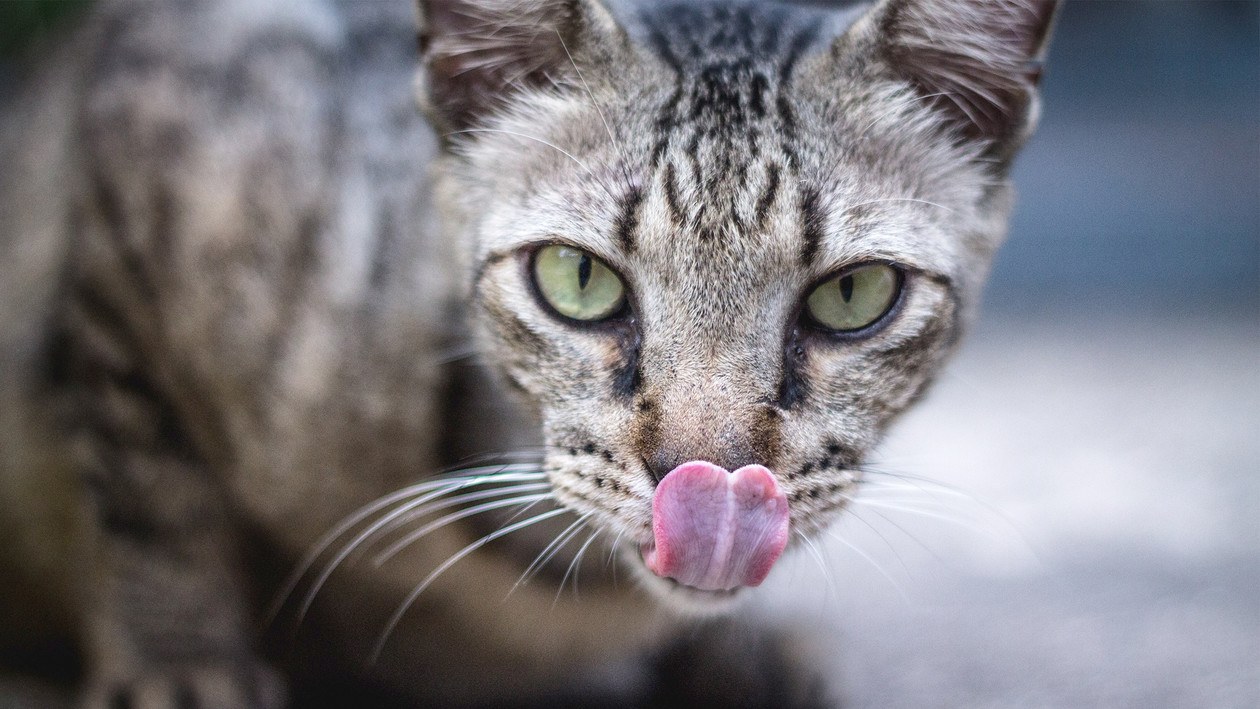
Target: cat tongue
[715, 530]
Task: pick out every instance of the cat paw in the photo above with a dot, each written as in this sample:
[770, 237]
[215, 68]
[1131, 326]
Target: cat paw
[251, 686]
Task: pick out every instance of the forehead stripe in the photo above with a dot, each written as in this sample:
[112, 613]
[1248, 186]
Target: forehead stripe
[811, 224]
[627, 223]
[672, 198]
[766, 201]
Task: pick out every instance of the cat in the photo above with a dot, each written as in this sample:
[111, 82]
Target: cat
[633, 305]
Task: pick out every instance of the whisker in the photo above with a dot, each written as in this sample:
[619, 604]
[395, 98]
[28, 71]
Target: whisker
[357, 517]
[612, 551]
[889, 544]
[573, 568]
[612, 548]
[898, 199]
[932, 490]
[548, 553]
[534, 453]
[431, 490]
[551, 145]
[926, 513]
[919, 482]
[927, 498]
[852, 500]
[612, 138]
[929, 501]
[916, 502]
[522, 511]
[410, 515]
[897, 495]
[411, 538]
[411, 598]
[454, 354]
[822, 565]
[897, 486]
[872, 562]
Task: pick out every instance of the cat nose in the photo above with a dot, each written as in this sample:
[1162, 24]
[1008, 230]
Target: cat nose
[663, 460]
[666, 458]
[681, 427]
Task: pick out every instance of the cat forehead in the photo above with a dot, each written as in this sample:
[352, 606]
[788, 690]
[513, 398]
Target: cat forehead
[645, 184]
[716, 150]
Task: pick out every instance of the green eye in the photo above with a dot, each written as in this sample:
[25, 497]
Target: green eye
[576, 284]
[855, 299]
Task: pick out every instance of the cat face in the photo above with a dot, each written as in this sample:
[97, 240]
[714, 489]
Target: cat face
[748, 239]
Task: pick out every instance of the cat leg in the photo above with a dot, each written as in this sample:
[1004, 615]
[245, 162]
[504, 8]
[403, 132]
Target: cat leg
[168, 626]
[167, 630]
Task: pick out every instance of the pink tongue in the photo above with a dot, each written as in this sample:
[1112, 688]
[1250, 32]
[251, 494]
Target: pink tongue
[716, 530]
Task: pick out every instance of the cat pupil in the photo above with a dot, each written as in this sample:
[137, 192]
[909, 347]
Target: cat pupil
[584, 271]
[846, 288]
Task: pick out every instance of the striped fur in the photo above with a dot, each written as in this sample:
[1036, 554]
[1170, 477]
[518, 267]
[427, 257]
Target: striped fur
[241, 273]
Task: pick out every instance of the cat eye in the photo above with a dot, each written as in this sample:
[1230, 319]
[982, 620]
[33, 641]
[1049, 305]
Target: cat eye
[577, 285]
[854, 299]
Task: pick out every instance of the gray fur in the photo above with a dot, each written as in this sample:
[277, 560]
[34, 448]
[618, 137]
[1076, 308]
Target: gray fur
[239, 272]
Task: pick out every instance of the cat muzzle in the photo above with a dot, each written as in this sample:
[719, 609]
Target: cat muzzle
[717, 530]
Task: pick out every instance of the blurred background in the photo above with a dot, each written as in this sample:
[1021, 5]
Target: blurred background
[1072, 518]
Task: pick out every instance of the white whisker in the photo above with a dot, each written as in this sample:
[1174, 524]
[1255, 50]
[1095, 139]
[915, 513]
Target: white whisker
[548, 552]
[410, 515]
[612, 551]
[411, 598]
[926, 513]
[534, 453]
[822, 564]
[612, 548]
[522, 511]
[612, 138]
[921, 482]
[525, 136]
[357, 517]
[917, 486]
[427, 491]
[454, 354]
[898, 199]
[549, 144]
[411, 538]
[872, 562]
[889, 544]
[573, 568]
[852, 512]
[931, 496]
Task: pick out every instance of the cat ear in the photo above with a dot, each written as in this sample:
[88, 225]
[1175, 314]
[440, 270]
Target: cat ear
[977, 61]
[477, 54]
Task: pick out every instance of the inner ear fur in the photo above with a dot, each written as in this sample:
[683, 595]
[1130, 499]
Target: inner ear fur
[477, 54]
[978, 62]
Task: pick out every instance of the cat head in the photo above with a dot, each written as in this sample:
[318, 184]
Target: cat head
[739, 235]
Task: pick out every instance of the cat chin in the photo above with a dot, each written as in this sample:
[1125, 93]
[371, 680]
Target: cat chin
[681, 598]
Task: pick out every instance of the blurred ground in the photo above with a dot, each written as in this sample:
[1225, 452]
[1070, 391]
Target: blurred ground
[1092, 537]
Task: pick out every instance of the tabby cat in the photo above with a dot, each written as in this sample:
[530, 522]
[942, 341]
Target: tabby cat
[355, 399]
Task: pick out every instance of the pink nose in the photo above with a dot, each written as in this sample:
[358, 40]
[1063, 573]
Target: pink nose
[716, 530]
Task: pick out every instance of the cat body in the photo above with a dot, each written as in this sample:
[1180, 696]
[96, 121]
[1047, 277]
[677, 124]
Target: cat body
[255, 304]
